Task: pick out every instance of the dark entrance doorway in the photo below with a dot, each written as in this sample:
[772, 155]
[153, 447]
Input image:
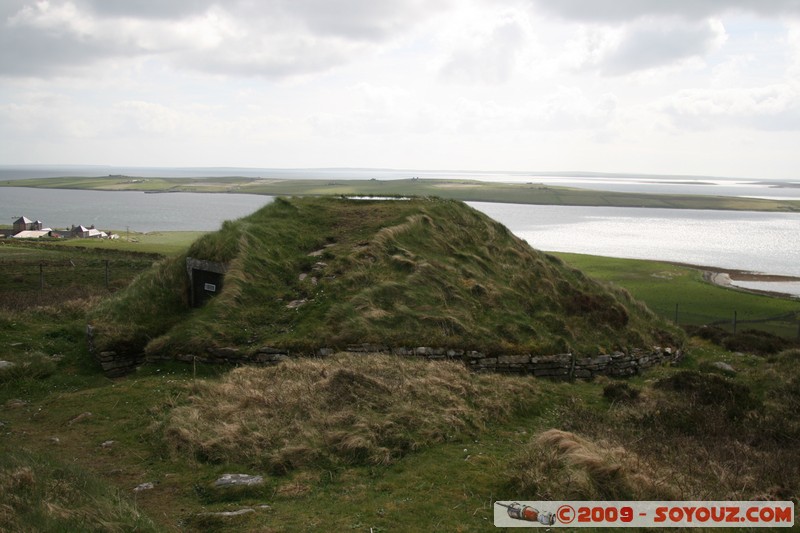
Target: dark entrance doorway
[205, 285]
[205, 280]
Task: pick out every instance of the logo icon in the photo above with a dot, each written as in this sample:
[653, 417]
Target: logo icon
[517, 511]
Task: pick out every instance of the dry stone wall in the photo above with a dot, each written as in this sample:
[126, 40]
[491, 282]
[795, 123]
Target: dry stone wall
[564, 366]
[558, 366]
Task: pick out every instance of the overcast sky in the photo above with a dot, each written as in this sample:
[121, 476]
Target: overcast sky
[707, 87]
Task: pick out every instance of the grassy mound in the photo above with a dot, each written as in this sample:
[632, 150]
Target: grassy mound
[309, 273]
[344, 409]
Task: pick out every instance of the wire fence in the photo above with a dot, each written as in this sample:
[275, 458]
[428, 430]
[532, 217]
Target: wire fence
[786, 325]
[26, 283]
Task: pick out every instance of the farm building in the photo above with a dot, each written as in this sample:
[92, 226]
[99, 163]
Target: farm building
[82, 232]
[25, 224]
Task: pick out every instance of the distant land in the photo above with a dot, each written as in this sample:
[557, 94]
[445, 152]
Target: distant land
[468, 187]
[14, 172]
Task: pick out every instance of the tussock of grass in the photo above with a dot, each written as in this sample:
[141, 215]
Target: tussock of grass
[790, 354]
[560, 465]
[39, 494]
[342, 410]
[33, 366]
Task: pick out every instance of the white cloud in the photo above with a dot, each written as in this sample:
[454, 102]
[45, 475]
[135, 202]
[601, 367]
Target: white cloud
[487, 57]
[643, 44]
[653, 43]
[793, 42]
[622, 10]
[273, 39]
[775, 107]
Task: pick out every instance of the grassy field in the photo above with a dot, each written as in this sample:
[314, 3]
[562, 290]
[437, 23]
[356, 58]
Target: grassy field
[166, 243]
[76, 444]
[663, 286]
[464, 190]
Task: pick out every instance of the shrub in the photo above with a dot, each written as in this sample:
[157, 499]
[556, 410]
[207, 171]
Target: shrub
[702, 389]
[755, 341]
[620, 391]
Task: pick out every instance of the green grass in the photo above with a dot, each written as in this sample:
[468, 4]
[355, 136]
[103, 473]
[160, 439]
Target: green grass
[662, 286]
[165, 243]
[41, 273]
[42, 493]
[463, 190]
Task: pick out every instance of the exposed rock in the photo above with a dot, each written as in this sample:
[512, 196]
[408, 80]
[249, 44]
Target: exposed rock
[269, 350]
[228, 514]
[144, 486]
[238, 480]
[79, 418]
[513, 359]
[725, 367]
[224, 353]
[321, 251]
[367, 348]
[270, 357]
[294, 304]
[107, 444]
[6, 364]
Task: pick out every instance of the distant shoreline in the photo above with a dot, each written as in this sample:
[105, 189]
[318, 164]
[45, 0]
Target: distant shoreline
[724, 277]
[467, 190]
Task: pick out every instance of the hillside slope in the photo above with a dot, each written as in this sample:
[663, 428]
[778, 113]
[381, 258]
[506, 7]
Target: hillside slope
[303, 274]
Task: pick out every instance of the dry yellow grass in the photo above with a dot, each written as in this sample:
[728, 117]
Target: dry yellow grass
[347, 409]
[561, 465]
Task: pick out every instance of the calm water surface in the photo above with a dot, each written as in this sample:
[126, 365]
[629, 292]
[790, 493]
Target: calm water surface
[741, 240]
[120, 210]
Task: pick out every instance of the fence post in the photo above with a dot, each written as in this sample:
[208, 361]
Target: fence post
[41, 276]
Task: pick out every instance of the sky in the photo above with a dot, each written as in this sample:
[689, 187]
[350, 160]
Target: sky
[697, 87]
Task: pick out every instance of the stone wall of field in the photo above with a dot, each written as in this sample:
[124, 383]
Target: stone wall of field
[559, 366]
